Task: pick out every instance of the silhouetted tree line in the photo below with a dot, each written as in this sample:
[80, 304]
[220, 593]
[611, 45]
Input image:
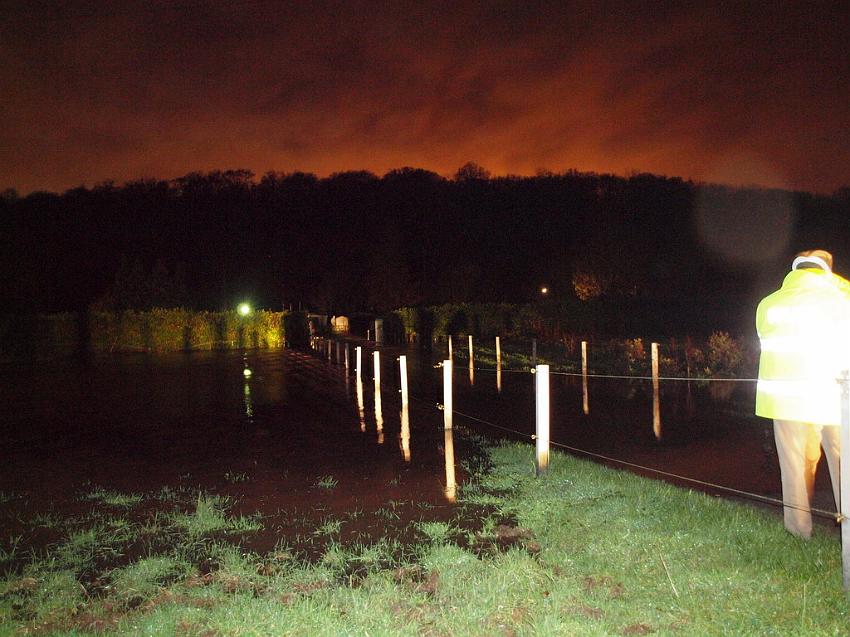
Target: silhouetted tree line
[623, 252]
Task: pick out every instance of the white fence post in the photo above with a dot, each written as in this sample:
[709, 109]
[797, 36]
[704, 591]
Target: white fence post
[358, 360]
[541, 384]
[346, 357]
[376, 358]
[402, 368]
[844, 491]
[450, 348]
[447, 394]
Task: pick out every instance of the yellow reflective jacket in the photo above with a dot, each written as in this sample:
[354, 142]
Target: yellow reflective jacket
[804, 331]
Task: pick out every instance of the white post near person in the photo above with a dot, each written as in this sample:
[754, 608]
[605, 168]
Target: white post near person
[541, 382]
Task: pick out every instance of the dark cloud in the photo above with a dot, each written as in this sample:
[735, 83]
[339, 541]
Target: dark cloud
[94, 92]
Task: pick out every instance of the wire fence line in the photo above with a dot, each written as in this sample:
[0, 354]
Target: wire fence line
[832, 515]
[615, 376]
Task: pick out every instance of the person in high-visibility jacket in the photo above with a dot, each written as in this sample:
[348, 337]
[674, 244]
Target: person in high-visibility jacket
[804, 332]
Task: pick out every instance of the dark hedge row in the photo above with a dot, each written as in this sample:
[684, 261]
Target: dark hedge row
[157, 330]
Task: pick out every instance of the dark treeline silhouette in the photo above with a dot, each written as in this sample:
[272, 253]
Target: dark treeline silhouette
[632, 249]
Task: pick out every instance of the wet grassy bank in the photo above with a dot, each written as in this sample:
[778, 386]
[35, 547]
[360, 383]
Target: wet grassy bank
[583, 550]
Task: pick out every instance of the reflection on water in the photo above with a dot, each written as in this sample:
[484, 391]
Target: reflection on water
[451, 486]
[471, 363]
[585, 397]
[133, 420]
[448, 405]
[246, 375]
[249, 405]
[404, 436]
[656, 397]
[656, 409]
[361, 407]
[499, 377]
[379, 417]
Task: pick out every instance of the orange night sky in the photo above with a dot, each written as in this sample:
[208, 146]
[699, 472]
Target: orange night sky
[93, 91]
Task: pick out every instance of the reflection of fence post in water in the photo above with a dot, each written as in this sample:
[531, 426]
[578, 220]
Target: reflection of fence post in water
[534, 351]
[246, 374]
[361, 407]
[358, 360]
[405, 432]
[346, 357]
[451, 486]
[656, 396]
[585, 399]
[450, 348]
[447, 394]
[337, 352]
[498, 365]
[844, 478]
[541, 385]
[329, 347]
[402, 369]
[379, 415]
[379, 418]
[471, 364]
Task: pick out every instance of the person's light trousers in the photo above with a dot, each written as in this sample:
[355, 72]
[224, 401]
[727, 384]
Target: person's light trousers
[798, 445]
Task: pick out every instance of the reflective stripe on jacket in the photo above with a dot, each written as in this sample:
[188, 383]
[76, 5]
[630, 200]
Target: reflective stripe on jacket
[804, 330]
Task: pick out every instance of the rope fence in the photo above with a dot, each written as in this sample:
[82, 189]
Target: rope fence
[822, 513]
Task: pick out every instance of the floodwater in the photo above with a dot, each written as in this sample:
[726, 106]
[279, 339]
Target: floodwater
[293, 438]
[299, 434]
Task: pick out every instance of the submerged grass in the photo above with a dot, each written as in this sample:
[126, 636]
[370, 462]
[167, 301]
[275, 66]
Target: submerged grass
[582, 550]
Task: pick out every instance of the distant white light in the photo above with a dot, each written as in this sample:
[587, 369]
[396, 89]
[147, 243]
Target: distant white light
[246, 372]
[244, 309]
[544, 290]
